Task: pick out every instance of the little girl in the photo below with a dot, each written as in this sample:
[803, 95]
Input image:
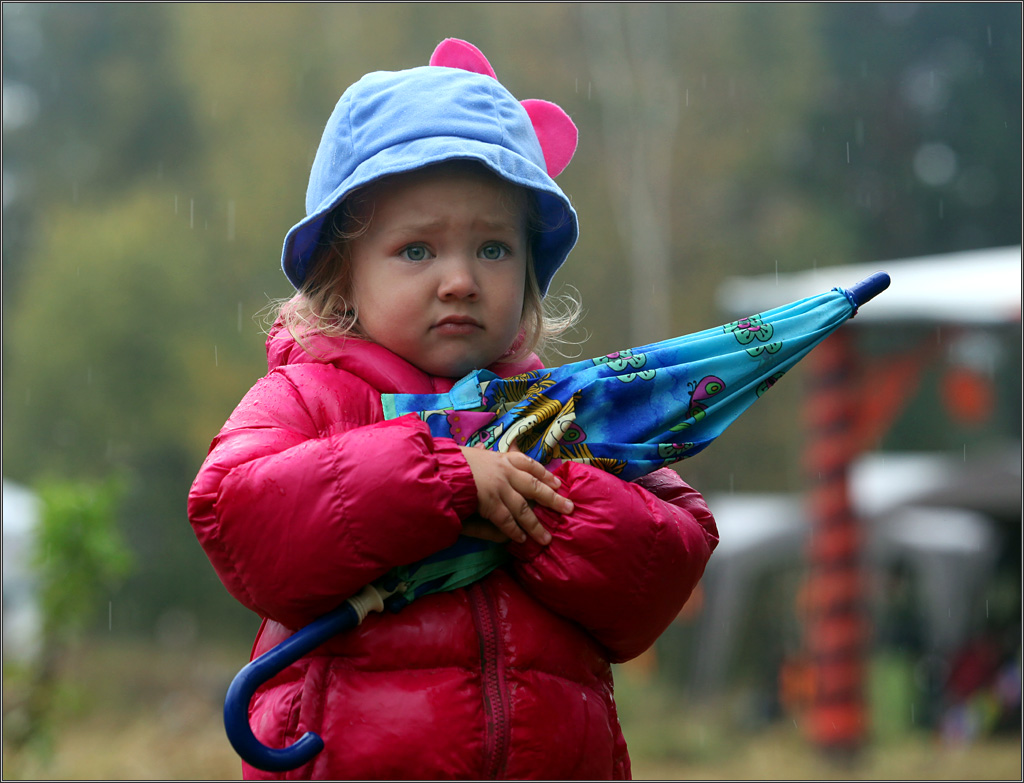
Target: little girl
[433, 230]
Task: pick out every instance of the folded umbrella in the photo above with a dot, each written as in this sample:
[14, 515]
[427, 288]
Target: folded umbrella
[637, 410]
[629, 413]
[461, 564]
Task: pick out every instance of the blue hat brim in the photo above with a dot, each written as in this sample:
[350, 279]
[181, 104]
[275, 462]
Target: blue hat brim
[556, 237]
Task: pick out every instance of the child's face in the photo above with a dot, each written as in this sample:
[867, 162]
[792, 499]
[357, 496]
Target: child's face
[438, 277]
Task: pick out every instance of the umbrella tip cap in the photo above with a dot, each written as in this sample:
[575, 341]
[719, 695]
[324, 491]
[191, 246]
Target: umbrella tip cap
[868, 288]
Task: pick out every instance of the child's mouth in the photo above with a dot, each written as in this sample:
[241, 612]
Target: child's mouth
[458, 325]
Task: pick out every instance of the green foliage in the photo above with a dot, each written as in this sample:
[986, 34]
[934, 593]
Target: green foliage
[108, 338]
[108, 109]
[80, 555]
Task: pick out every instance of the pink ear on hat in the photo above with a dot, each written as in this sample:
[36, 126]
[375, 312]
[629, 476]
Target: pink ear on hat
[555, 131]
[456, 53]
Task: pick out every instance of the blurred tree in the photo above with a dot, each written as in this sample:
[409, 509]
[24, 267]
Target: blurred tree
[96, 108]
[113, 366]
[640, 101]
[102, 342]
[80, 554]
[79, 560]
[919, 136]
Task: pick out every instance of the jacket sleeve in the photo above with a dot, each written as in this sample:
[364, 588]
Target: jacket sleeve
[625, 561]
[295, 520]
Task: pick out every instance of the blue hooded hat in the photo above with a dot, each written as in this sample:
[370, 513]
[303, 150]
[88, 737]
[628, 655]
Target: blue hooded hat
[453, 109]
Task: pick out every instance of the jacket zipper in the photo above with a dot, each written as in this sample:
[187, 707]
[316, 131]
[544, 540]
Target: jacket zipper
[492, 672]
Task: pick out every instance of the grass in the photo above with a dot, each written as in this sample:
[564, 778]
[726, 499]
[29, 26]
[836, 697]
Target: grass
[128, 710]
[670, 739]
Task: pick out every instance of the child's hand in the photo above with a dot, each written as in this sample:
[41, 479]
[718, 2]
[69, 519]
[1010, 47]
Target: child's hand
[507, 484]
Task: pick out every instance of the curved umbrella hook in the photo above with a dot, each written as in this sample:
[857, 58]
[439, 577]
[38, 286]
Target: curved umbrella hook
[273, 662]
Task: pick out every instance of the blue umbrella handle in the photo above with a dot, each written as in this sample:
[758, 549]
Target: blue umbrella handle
[273, 662]
[868, 288]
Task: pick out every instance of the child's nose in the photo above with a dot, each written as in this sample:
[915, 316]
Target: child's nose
[458, 280]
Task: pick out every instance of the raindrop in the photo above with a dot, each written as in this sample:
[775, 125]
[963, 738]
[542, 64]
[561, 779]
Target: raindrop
[216, 359]
[989, 30]
[191, 213]
[239, 317]
[847, 152]
[175, 204]
[913, 717]
[110, 615]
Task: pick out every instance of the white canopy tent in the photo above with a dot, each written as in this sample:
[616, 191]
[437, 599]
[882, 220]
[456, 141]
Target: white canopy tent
[969, 287]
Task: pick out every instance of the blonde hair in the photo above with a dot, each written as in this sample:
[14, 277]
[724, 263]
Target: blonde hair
[323, 305]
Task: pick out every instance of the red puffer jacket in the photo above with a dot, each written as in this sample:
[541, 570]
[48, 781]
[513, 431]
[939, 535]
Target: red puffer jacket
[308, 494]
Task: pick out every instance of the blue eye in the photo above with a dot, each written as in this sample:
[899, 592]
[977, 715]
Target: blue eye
[415, 253]
[493, 251]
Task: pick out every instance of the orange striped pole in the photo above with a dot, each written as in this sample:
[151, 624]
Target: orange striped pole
[836, 627]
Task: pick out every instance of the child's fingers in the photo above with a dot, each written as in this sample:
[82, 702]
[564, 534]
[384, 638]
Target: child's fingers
[537, 484]
[514, 517]
[533, 467]
[508, 485]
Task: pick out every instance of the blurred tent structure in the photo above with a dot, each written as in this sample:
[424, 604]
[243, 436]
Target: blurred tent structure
[969, 287]
[940, 518]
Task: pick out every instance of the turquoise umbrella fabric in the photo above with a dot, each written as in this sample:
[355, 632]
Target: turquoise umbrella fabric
[630, 412]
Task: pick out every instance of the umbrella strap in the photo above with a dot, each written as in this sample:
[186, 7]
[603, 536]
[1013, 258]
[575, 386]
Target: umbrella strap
[452, 568]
